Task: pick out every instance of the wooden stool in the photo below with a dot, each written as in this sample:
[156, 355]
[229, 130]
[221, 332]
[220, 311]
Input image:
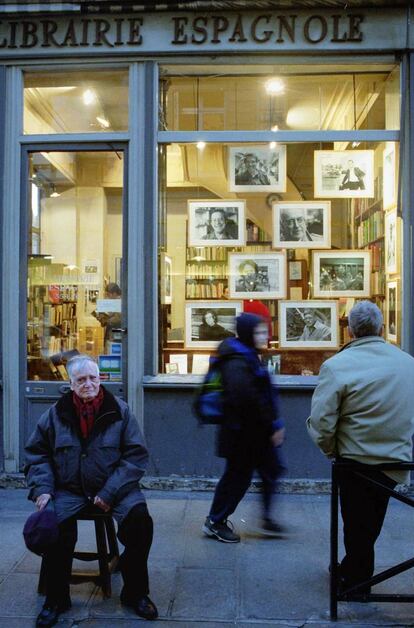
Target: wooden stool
[107, 555]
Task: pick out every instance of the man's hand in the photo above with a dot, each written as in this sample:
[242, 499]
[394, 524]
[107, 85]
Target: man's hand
[101, 504]
[42, 501]
[278, 437]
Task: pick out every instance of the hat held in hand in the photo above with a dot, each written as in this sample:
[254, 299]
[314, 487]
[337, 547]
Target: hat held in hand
[41, 531]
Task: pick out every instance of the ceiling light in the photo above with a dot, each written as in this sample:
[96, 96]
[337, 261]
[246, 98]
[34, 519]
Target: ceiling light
[103, 122]
[272, 144]
[275, 127]
[201, 145]
[275, 86]
[355, 144]
[54, 194]
[89, 97]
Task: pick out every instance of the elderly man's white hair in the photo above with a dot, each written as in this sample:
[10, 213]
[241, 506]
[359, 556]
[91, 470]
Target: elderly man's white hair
[77, 363]
[365, 319]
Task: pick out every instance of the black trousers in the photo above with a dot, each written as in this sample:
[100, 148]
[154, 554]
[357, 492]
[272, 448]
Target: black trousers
[363, 509]
[237, 477]
[135, 533]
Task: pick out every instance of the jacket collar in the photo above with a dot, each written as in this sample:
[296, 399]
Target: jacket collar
[109, 411]
[362, 341]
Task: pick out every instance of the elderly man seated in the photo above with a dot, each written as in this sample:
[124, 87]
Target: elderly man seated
[87, 452]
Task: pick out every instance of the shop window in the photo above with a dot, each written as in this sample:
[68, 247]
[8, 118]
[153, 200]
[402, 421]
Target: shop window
[75, 102]
[74, 281]
[287, 98]
[294, 232]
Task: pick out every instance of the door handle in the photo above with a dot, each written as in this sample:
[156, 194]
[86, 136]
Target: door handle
[120, 330]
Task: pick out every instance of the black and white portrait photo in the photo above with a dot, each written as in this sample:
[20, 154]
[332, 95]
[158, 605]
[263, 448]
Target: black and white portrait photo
[308, 324]
[341, 273]
[207, 323]
[344, 174]
[216, 223]
[391, 242]
[257, 275]
[391, 312]
[257, 168]
[305, 224]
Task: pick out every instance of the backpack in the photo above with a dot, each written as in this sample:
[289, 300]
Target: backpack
[209, 404]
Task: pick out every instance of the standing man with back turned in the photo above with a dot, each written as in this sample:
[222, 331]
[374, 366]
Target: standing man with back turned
[363, 410]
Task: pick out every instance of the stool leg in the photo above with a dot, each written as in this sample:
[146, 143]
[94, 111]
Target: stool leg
[111, 536]
[105, 576]
[41, 586]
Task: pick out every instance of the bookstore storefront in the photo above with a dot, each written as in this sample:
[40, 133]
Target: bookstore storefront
[164, 172]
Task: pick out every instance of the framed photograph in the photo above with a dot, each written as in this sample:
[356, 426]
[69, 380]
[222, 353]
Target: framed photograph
[391, 311]
[257, 168]
[207, 323]
[391, 242]
[389, 179]
[344, 173]
[308, 325]
[216, 223]
[304, 224]
[295, 271]
[166, 279]
[257, 275]
[341, 273]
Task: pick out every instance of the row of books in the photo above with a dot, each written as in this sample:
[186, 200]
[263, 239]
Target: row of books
[255, 233]
[206, 271]
[62, 293]
[207, 253]
[370, 229]
[377, 256]
[58, 314]
[377, 283]
[204, 290]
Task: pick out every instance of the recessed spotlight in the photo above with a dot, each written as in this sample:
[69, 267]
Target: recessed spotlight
[355, 144]
[275, 86]
[103, 122]
[89, 97]
[201, 145]
[275, 127]
[272, 144]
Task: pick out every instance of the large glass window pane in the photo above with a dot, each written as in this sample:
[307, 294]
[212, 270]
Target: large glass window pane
[74, 283]
[296, 233]
[283, 97]
[76, 102]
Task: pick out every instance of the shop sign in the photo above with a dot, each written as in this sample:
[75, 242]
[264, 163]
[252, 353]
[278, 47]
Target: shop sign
[203, 32]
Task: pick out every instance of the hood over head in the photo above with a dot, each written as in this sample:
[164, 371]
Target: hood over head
[245, 325]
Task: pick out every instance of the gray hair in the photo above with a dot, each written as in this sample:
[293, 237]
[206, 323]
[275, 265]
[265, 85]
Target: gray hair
[365, 319]
[77, 363]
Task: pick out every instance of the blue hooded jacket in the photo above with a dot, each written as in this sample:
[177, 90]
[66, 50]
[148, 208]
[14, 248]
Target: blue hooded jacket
[250, 400]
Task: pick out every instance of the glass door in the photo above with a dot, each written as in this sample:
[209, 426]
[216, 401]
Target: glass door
[75, 275]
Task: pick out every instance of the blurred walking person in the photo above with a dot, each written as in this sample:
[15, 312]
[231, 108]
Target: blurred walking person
[251, 433]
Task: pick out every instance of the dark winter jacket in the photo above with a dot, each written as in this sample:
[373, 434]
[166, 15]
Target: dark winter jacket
[108, 464]
[250, 403]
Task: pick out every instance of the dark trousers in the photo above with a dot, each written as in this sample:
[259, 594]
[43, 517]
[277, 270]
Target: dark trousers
[363, 509]
[237, 477]
[135, 533]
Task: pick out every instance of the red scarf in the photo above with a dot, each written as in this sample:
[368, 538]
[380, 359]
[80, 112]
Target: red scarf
[87, 411]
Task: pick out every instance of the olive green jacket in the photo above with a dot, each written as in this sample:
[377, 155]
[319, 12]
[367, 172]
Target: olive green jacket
[363, 405]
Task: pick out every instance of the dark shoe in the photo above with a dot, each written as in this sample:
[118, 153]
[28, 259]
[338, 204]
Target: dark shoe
[272, 528]
[49, 614]
[144, 606]
[221, 530]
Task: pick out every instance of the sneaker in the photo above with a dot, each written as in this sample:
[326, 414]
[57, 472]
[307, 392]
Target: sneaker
[272, 528]
[221, 530]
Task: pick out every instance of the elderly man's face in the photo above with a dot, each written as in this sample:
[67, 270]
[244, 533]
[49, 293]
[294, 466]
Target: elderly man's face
[248, 271]
[218, 222]
[85, 382]
[295, 224]
[309, 317]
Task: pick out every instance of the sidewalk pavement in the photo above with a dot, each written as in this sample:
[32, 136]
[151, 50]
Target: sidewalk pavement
[197, 581]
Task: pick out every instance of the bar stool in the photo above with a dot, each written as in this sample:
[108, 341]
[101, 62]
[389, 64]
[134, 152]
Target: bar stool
[107, 555]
